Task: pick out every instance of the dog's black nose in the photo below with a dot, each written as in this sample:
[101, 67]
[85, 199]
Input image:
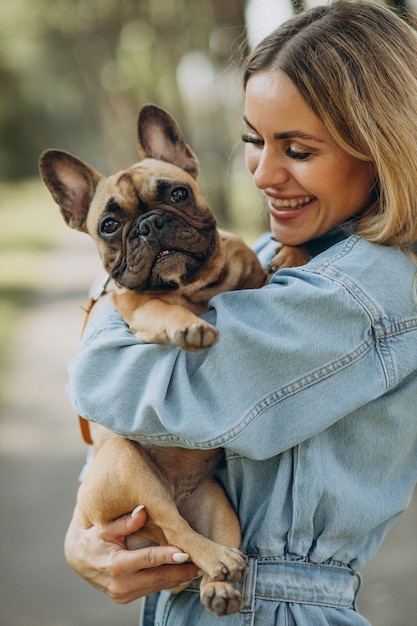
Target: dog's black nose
[150, 223]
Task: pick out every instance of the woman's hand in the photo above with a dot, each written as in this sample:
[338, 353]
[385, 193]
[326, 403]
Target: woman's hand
[99, 555]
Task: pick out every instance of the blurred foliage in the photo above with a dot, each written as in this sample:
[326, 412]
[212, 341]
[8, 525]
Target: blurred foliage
[29, 230]
[74, 73]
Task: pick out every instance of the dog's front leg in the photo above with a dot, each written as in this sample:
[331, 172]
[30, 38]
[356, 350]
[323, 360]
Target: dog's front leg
[154, 321]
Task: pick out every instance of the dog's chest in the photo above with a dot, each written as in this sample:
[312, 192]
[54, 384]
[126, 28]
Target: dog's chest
[185, 470]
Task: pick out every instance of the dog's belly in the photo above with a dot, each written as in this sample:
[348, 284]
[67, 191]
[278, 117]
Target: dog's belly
[184, 469]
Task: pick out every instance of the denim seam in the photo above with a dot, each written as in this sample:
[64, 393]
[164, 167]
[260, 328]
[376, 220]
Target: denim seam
[310, 602]
[385, 331]
[382, 329]
[348, 245]
[274, 398]
[387, 363]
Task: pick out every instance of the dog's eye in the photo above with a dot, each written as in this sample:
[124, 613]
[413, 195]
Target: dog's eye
[109, 226]
[179, 194]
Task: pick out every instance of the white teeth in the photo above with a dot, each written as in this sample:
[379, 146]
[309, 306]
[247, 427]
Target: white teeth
[293, 203]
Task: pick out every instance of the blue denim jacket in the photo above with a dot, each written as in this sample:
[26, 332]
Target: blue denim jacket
[312, 391]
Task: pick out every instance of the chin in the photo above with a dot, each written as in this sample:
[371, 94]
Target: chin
[290, 233]
[288, 241]
[296, 238]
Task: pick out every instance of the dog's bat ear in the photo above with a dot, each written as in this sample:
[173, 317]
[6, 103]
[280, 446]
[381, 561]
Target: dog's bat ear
[159, 137]
[72, 184]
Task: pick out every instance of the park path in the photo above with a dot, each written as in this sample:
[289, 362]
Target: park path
[41, 453]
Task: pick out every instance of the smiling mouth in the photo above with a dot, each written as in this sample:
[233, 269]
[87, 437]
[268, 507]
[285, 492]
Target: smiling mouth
[293, 203]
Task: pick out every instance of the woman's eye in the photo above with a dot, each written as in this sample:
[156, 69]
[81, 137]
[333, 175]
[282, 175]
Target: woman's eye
[179, 194]
[294, 154]
[251, 139]
[109, 226]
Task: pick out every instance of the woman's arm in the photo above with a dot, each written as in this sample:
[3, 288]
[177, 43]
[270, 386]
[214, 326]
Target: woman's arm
[284, 351]
[99, 555]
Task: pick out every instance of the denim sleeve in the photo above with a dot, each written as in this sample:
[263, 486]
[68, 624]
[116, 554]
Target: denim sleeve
[292, 360]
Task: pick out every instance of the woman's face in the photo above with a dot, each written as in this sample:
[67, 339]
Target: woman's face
[311, 184]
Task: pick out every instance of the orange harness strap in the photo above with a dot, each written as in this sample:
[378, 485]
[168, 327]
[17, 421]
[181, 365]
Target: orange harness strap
[98, 292]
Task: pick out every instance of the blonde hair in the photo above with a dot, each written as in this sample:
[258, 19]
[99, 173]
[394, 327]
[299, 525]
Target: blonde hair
[355, 63]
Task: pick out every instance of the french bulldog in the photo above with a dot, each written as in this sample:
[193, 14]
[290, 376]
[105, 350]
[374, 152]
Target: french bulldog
[159, 242]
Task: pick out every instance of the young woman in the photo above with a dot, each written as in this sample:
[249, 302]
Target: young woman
[312, 388]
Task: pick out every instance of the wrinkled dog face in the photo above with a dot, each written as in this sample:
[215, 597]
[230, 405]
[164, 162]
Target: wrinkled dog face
[151, 224]
[155, 230]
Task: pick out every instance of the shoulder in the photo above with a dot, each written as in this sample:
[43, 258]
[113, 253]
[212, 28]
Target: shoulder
[365, 262]
[354, 249]
[382, 278]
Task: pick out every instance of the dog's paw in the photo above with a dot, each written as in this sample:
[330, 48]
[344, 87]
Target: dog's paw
[288, 256]
[220, 598]
[195, 337]
[231, 564]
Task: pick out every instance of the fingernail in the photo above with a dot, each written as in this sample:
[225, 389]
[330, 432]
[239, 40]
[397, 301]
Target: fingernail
[137, 510]
[180, 557]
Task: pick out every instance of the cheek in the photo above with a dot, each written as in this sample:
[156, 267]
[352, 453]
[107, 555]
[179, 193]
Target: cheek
[353, 179]
[354, 188]
[330, 184]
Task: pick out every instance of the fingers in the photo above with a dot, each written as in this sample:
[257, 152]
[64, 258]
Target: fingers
[125, 562]
[126, 589]
[131, 574]
[99, 555]
[125, 526]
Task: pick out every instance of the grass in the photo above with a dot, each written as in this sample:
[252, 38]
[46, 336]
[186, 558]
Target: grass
[27, 233]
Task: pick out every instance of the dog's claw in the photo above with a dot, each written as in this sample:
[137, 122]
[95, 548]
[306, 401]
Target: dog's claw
[195, 337]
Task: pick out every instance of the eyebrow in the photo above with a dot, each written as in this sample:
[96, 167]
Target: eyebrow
[290, 134]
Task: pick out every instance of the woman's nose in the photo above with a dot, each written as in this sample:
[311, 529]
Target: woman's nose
[269, 170]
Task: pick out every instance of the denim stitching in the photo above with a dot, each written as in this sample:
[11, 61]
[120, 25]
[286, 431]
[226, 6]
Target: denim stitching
[274, 398]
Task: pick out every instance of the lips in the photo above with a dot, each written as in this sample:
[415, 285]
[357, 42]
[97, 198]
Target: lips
[288, 208]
